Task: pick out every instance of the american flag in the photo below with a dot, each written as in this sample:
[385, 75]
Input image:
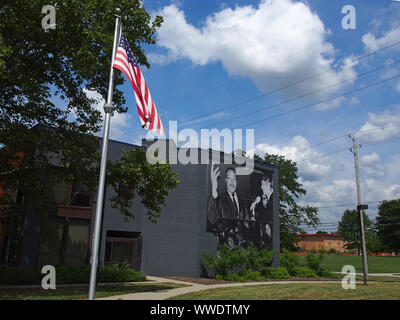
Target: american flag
[127, 63]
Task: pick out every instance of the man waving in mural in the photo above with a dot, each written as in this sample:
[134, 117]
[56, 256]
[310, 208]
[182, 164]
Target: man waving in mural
[226, 213]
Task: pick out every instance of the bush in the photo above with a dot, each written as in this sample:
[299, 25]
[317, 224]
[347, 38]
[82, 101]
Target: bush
[14, 276]
[258, 260]
[231, 276]
[119, 273]
[332, 251]
[304, 272]
[277, 273]
[225, 260]
[70, 275]
[73, 274]
[252, 275]
[322, 251]
[238, 261]
[314, 262]
[290, 261]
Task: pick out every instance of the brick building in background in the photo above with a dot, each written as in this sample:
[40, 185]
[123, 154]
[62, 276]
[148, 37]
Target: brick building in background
[308, 242]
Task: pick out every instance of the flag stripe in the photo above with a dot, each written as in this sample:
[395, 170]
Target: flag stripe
[126, 63]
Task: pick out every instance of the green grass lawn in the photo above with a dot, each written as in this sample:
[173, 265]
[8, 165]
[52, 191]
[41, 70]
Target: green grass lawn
[379, 279]
[81, 292]
[294, 291]
[375, 264]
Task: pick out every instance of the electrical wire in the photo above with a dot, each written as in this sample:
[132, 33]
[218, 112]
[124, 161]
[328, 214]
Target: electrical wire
[303, 95]
[323, 101]
[293, 83]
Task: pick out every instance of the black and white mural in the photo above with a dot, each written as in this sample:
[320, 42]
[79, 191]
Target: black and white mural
[240, 207]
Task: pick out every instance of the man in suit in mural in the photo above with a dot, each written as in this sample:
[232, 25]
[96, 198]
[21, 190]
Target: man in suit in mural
[226, 213]
[261, 211]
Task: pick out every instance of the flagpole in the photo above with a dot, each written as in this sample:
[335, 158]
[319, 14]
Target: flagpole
[108, 109]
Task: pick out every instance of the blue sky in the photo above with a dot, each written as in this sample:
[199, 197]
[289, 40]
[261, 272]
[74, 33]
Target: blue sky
[214, 54]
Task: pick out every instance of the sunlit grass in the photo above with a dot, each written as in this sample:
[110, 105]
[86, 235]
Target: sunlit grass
[295, 291]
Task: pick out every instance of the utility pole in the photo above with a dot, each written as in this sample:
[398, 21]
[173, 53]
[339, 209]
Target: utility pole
[360, 207]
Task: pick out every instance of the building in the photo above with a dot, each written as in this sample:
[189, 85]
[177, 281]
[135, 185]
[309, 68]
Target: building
[173, 246]
[308, 242]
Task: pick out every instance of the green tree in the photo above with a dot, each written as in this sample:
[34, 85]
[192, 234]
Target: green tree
[133, 174]
[388, 224]
[44, 110]
[291, 214]
[349, 229]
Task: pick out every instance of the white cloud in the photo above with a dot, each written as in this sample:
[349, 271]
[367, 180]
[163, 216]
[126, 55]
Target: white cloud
[380, 126]
[274, 44]
[370, 159]
[337, 192]
[299, 150]
[330, 182]
[390, 37]
[118, 121]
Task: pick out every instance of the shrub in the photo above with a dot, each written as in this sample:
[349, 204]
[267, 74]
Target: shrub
[290, 261]
[238, 260]
[14, 276]
[304, 272]
[328, 274]
[252, 275]
[70, 275]
[277, 273]
[332, 251]
[231, 276]
[118, 273]
[73, 274]
[314, 262]
[225, 260]
[257, 260]
[322, 251]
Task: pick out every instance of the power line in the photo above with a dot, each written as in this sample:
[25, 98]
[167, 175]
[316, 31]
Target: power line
[363, 166]
[323, 101]
[397, 124]
[322, 156]
[395, 139]
[293, 83]
[304, 95]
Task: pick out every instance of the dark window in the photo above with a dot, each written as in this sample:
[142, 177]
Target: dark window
[50, 244]
[124, 247]
[80, 196]
[60, 190]
[20, 197]
[64, 242]
[76, 243]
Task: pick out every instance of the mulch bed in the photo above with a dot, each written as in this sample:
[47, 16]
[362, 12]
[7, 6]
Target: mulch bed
[210, 281]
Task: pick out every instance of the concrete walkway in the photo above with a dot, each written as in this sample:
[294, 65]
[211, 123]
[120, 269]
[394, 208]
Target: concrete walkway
[194, 287]
[376, 274]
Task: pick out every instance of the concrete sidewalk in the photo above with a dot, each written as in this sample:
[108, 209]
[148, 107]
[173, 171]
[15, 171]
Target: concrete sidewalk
[376, 274]
[194, 287]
